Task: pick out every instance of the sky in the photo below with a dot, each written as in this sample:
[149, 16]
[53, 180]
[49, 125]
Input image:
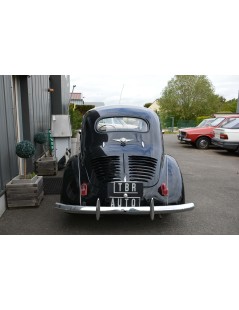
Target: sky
[140, 89]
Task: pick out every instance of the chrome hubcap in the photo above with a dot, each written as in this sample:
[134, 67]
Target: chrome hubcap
[203, 144]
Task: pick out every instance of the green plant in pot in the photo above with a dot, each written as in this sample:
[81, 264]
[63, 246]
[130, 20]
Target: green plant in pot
[41, 138]
[25, 149]
[25, 190]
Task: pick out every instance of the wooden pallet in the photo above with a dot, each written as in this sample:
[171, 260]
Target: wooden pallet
[25, 194]
[46, 166]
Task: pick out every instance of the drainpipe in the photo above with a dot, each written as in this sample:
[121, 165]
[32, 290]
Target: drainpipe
[70, 99]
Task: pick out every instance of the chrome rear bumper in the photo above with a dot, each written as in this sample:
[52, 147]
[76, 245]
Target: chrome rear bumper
[98, 210]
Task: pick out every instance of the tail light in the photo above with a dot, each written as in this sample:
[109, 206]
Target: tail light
[84, 189]
[223, 136]
[163, 189]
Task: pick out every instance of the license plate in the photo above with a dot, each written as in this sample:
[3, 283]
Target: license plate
[125, 189]
[124, 202]
[125, 194]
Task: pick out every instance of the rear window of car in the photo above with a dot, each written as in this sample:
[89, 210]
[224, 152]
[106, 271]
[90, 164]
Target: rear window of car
[121, 124]
[233, 124]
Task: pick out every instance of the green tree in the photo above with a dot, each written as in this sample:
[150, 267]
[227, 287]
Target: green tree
[188, 96]
[229, 106]
[76, 119]
[76, 113]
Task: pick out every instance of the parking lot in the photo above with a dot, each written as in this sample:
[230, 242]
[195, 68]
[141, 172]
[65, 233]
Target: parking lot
[211, 180]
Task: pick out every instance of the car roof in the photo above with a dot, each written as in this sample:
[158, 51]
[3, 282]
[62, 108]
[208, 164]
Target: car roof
[120, 108]
[124, 111]
[228, 116]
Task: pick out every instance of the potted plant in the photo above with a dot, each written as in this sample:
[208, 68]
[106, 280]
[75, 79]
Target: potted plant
[25, 190]
[46, 164]
[41, 139]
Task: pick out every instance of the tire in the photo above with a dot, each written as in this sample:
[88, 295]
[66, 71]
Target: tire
[202, 143]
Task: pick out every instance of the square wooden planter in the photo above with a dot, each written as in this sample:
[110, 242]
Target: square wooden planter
[24, 193]
[46, 166]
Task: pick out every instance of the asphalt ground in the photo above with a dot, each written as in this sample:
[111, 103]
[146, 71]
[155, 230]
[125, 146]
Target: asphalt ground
[211, 179]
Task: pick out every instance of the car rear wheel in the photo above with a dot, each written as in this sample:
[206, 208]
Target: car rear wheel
[202, 143]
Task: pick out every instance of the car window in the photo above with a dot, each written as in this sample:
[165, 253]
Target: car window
[233, 124]
[118, 121]
[206, 122]
[121, 124]
[202, 124]
[227, 120]
[217, 121]
[107, 121]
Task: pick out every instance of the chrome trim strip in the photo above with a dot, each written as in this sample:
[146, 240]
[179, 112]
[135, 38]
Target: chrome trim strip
[150, 210]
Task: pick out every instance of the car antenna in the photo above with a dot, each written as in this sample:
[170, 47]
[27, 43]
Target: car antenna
[121, 93]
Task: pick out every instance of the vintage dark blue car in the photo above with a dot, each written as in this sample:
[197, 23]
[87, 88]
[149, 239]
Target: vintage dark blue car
[122, 167]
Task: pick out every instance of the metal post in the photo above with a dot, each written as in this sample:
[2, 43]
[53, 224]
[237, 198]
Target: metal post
[237, 111]
[172, 123]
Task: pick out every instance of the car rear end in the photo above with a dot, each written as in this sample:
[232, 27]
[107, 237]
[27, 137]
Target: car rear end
[122, 170]
[226, 138]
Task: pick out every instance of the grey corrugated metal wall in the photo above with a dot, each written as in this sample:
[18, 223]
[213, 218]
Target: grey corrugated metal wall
[65, 87]
[39, 101]
[36, 108]
[39, 110]
[61, 86]
[8, 159]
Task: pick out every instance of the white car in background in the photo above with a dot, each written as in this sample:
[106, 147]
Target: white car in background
[227, 137]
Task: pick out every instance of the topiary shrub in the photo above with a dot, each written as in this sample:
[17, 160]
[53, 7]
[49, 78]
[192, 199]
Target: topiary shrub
[25, 149]
[41, 138]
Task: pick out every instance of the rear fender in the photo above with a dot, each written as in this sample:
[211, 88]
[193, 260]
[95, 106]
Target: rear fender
[171, 175]
[70, 186]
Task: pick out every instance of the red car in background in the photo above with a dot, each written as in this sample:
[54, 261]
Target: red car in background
[201, 136]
